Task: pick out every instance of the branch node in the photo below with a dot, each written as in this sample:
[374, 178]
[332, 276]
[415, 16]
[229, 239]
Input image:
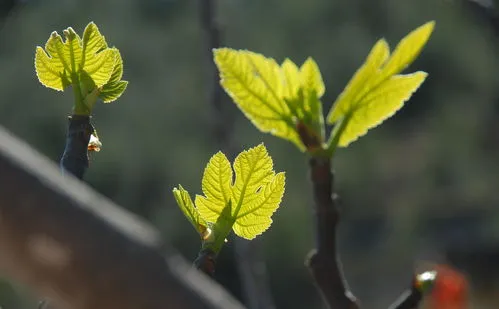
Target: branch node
[206, 262]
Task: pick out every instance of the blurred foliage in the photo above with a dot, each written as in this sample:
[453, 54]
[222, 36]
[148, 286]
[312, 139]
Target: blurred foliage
[424, 180]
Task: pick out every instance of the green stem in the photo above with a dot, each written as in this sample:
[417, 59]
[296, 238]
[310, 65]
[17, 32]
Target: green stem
[222, 233]
[207, 257]
[80, 107]
[334, 138]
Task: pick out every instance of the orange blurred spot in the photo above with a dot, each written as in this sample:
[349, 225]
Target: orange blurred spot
[450, 290]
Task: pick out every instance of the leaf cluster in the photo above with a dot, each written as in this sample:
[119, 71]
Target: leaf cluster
[241, 197]
[284, 100]
[93, 69]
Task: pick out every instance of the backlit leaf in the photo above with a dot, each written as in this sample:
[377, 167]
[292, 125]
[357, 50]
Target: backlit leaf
[51, 67]
[72, 50]
[93, 40]
[380, 104]
[111, 92]
[360, 82]
[311, 77]
[100, 66]
[313, 89]
[408, 49]
[276, 99]
[87, 62]
[254, 194]
[216, 185]
[291, 75]
[115, 86]
[185, 203]
[255, 83]
[375, 92]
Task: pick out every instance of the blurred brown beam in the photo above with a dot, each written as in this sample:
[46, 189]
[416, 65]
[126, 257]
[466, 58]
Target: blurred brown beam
[72, 245]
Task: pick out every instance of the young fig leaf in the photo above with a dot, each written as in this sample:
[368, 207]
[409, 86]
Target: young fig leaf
[255, 194]
[376, 92]
[87, 63]
[275, 98]
[115, 87]
[184, 201]
[312, 78]
[254, 83]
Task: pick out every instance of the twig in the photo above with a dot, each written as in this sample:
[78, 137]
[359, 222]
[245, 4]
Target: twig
[410, 298]
[68, 243]
[249, 257]
[206, 262]
[75, 157]
[324, 262]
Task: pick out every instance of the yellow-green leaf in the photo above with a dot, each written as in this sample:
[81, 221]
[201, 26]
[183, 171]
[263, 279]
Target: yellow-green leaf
[49, 72]
[115, 87]
[253, 167]
[50, 64]
[55, 65]
[216, 185]
[185, 203]
[100, 66]
[311, 77]
[292, 82]
[72, 49]
[380, 104]
[117, 73]
[361, 82]
[112, 91]
[255, 216]
[313, 89]
[254, 194]
[93, 40]
[408, 49]
[277, 99]
[254, 82]
[88, 63]
[375, 93]
[55, 47]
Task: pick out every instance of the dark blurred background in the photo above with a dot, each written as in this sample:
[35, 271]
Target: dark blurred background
[421, 187]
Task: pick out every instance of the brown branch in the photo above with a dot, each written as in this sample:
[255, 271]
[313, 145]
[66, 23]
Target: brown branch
[410, 299]
[324, 262]
[68, 243]
[249, 257]
[206, 262]
[75, 159]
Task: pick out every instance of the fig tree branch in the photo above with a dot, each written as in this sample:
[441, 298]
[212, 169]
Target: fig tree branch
[324, 262]
[75, 157]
